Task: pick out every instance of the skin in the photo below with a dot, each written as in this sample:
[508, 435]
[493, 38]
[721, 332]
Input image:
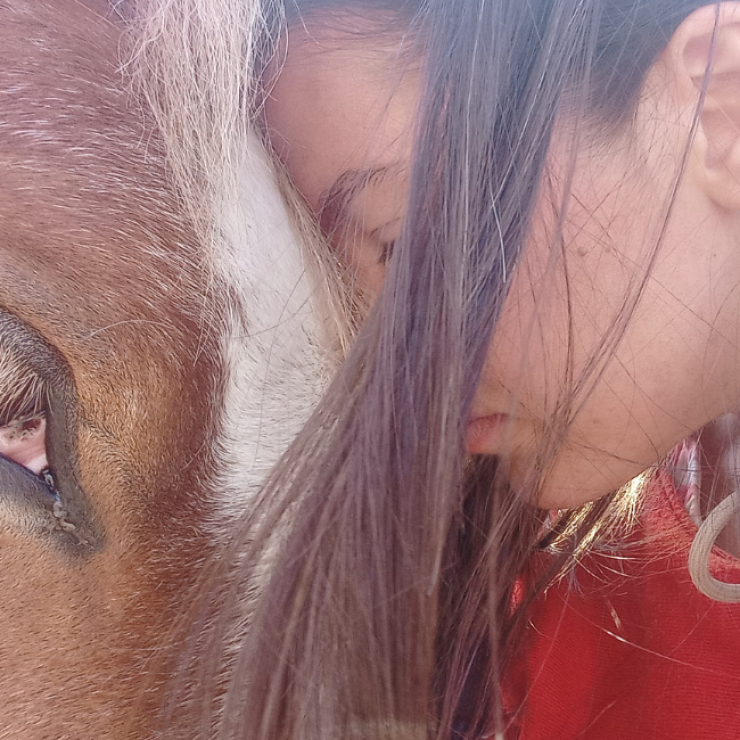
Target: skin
[356, 103]
[660, 315]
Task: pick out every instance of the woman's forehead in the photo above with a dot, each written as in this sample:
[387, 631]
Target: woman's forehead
[339, 104]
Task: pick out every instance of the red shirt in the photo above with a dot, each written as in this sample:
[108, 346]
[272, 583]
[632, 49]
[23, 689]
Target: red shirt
[627, 648]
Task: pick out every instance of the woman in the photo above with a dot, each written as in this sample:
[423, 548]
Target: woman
[540, 200]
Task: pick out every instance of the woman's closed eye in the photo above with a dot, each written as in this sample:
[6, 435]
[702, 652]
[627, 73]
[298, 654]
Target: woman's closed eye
[386, 252]
[383, 240]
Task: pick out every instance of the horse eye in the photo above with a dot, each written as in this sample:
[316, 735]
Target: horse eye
[23, 411]
[40, 486]
[38, 480]
[23, 439]
[29, 500]
[28, 504]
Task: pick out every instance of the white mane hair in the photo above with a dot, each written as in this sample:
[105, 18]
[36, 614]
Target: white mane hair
[196, 63]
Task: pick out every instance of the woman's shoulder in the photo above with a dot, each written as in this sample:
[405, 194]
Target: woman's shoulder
[625, 646]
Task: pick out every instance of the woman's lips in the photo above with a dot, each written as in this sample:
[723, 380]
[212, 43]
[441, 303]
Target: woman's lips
[485, 434]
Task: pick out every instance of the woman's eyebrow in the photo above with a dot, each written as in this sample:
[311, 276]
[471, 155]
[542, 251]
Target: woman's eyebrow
[336, 199]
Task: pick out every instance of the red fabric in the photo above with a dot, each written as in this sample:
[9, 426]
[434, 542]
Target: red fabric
[628, 649]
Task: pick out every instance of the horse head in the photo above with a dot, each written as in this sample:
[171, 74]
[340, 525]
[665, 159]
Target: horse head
[150, 376]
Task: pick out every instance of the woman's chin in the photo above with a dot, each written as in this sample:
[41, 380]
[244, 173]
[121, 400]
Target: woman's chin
[569, 490]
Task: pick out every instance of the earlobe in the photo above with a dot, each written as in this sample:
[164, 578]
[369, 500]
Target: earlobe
[704, 54]
[723, 179]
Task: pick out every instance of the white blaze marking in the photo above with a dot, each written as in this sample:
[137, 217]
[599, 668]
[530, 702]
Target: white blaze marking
[278, 368]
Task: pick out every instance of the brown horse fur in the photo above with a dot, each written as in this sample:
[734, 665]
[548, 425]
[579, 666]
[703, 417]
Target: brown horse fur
[130, 336]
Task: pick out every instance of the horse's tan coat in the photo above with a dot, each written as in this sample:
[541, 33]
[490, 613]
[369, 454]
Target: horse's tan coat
[100, 274]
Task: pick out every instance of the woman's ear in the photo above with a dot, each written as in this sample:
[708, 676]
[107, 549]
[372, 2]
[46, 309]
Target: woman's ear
[704, 58]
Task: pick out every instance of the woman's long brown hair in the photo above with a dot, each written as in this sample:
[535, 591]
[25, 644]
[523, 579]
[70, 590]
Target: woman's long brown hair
[368, 593]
